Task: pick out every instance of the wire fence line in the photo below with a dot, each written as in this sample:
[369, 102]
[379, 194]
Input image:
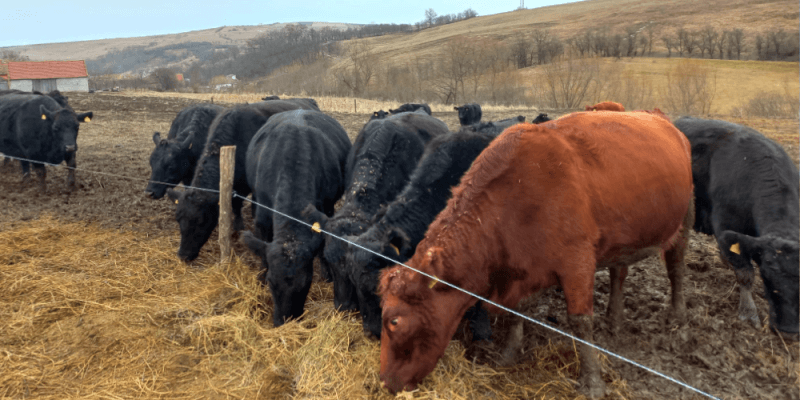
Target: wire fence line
[436, 279]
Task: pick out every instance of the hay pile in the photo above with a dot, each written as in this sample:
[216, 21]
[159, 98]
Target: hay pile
[92, 312]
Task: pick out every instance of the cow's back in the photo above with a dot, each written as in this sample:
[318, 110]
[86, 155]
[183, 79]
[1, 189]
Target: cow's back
[738, 169]
[600, 183]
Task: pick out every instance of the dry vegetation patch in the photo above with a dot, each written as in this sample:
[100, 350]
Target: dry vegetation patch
[95, 312]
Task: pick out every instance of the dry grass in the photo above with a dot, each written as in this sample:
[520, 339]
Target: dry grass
[89, 312]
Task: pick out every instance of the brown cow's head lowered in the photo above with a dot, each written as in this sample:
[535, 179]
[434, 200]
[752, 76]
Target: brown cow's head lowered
[419, 319]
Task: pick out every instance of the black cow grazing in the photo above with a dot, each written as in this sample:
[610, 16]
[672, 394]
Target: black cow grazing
[383, 157]
[542, 117]
[379, 115]
[295, 164]
[174, 158]
[270, 98]
[746, 195]
[398, 227]
[469, 114]
[37, 127]
[197, 210]
[411, 107]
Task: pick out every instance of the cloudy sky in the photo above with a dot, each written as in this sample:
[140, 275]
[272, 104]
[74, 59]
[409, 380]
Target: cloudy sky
[35, 22]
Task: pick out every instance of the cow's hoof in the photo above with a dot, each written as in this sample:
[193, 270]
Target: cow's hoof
[592, 386]
[752, 318]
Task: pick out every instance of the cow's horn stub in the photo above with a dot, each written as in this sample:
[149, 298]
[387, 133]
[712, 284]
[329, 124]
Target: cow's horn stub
[735, 248]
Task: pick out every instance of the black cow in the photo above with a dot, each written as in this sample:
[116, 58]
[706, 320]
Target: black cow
[469, 114]
[37, 127]
[411, 107]
[174, 159]
[541, 118]
[306, 103]
[397, 228]
[494, 127]
[383, 157]
[296, 160]
[198, 210]
[379, 115]
[746, 195]
[63, 102]
[270, 98]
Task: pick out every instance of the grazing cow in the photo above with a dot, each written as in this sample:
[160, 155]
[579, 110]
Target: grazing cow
[469, 114]
[544, 205]
[303, 103]
[37, 127]
[746, 193]
[542, 117]
[379, 115]
[493, 127]
[411, 107]
[296, 160]
[380, 163]
[606, 106]
[174, 158]
[197, 210]
[397, 228]
[267, 98]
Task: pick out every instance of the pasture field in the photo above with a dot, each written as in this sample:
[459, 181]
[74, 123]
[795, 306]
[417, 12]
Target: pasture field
[94, 302]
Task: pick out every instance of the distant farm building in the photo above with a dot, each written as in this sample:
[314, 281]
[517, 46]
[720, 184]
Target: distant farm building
[44, 76]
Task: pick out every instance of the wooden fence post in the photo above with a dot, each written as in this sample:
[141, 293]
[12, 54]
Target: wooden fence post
[227, 163]
[355, 107]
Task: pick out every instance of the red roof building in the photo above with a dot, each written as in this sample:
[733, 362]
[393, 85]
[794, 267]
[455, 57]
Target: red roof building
[45, 76]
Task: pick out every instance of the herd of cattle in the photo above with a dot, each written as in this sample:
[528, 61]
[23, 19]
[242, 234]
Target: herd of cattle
[502, 209]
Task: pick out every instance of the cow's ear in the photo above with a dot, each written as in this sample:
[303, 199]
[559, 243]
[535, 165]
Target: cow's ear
[315, 217]
[399, 243]
[455, 108]
[157, 138]
[85, 117]
[187, 143]
[173, 195]
[254, 244]
[739, 244]
[46, 114]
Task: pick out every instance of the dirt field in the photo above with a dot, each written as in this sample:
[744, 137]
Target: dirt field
[713, 351]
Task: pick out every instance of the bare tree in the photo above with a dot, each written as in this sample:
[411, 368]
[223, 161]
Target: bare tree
[721, 42]
[430, 16]
[11, 55]
[683, 37]
[736, 39]
[690, 88]
[651, 31]
[708, 40]
[358, 73]
[520, 48]
[669, 43]
[567, 80]
[691, 42]
[631, 34]
[164, 79]
[615, 45]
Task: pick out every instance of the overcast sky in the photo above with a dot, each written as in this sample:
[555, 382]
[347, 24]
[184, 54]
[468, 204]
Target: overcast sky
[36, 22]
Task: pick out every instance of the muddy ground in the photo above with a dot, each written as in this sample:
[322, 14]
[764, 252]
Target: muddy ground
[712, 351]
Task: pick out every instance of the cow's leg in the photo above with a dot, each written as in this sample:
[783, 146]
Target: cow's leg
[238, 222]
[513, 345]
[71, 164]
[26, 172]
[41, 173]
[591, 381]
[616, 307]
[674, 258]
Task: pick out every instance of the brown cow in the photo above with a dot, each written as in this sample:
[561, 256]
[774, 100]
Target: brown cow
[606, 106]
[544, 205]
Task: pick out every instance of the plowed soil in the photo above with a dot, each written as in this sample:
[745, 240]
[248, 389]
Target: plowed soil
[712, 351]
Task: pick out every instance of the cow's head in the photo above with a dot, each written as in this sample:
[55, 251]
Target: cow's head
[289, 261]
[64, 125]
[379, 115]
[334, 258]
[197, 213]
[170, 163]
[778, 261]
[364, 269]
[419, 318]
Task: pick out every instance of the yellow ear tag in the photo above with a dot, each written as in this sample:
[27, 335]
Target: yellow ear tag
[44, 116]
[190, 145]
[87, 119]
[433, 282]
[316, 227]
[396, 250]
[735, 248]
[176, 201]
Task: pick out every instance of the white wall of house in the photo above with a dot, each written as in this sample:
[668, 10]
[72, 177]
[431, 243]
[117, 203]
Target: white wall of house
[26, 85]
[73, 84]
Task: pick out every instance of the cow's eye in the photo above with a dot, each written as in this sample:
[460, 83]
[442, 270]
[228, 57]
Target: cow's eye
[394, 322]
